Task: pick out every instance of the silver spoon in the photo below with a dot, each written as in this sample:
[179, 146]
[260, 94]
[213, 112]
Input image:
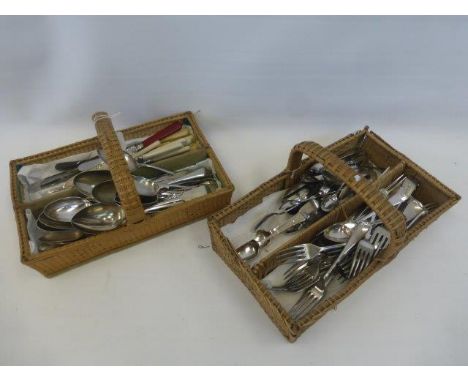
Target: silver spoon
[131, 162]
[340, 232]
[99, 218]
[59, 236]
[48, 224]
[63, 210]
[86, 181]
[105, 192]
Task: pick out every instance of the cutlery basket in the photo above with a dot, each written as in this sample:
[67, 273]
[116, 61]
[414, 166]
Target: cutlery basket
[138, 225]
[365, 193]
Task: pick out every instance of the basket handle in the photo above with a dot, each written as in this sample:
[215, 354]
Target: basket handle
[393, 219]
[118, 168]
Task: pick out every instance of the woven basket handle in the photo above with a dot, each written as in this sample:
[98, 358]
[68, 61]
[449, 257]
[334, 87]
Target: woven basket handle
[393, 219]
[121, 176]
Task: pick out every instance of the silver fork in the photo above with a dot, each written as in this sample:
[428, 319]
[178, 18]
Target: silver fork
[380, 237]
[299, 276]
[363, 255]
[307, 262]
[366, 251]
[312, 296]
[304, 252]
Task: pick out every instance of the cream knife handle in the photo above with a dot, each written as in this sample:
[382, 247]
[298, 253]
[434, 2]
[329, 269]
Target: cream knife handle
[167, 147]
[147, 149]
[169, 154]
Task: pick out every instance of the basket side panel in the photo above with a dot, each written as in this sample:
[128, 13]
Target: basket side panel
[52, 262]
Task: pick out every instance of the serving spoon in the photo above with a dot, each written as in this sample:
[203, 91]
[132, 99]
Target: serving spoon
[63, 210]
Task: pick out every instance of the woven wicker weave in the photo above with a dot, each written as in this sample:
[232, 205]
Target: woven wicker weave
[429, 190]
[139, 226]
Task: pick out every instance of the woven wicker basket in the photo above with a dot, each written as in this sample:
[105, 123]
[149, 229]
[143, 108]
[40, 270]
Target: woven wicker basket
[139, 226]
[429, 190]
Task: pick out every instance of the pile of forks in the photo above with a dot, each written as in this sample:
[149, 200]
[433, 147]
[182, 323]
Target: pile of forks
[317, 193]
[342, 251]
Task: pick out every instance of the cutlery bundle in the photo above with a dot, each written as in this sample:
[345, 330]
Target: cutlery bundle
[345, 211]
[87, 199]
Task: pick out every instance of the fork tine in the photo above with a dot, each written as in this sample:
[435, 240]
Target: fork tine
[302, 282]
[297, 267]
[290, 252]
[430, 206]
[296, 280]
[353, 265]
[292, 255]
[370, 258]
[288, 286]
[298, 287]
[301, 278]
[295, 259]
[364, 263]
[352, 270]
[299, 304]
[379, 240]
[358, 264]
[307, 306]
[385, 242]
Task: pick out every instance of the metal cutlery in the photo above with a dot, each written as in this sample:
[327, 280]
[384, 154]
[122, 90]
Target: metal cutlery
[307, 213]
[315, 293]
[304, 252]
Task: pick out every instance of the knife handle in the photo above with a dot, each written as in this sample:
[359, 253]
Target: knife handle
[171, 129]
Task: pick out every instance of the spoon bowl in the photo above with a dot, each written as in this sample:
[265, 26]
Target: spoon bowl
[59, 236]
[145, 186]
[63, 210]
[131, 162]
[87, 180]
[329, 202]
[340, 232]
[99, 218]
[105, 192]
[248, 250]
[48, 224]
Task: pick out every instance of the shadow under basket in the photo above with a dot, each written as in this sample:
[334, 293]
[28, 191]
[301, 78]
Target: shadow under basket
[139, 226]
[366, 193]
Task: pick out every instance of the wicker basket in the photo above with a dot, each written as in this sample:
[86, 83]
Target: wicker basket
[139, 226]
[383, 155]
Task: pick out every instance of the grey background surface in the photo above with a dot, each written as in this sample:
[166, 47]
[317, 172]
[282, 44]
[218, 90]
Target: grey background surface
[265, 82]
